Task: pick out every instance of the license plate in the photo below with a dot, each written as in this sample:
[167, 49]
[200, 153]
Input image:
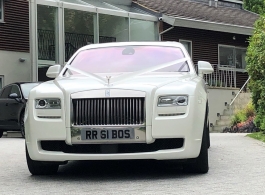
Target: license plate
[107, 134]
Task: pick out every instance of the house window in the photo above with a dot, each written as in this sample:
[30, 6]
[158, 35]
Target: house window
[230, 56]
[141, 30]
[188, 45]
[1, 10]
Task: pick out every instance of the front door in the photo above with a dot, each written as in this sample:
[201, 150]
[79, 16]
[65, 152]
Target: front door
[9, 108]
[3, 107]
[14, 107]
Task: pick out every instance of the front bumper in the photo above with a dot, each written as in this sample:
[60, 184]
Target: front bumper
[190, 149]
[188, 127]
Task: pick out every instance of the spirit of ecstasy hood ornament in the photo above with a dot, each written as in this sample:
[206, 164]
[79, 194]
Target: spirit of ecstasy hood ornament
[108, 78]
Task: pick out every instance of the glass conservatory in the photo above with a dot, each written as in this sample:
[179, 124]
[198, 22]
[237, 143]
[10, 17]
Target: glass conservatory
[60, 27]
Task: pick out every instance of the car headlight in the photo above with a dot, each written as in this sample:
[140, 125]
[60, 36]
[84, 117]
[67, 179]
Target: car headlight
[173, 100]
[51, 103]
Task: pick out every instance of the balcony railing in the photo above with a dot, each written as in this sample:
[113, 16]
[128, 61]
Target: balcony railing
[73, 41]
[222, 77]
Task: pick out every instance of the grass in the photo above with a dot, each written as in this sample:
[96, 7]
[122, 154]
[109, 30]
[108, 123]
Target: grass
[258, 135]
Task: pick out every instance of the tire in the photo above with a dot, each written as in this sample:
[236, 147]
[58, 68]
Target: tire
[201, 164]
[39, 167]
[1, 133]
[208, 127]
[22, 125]
[208, 136]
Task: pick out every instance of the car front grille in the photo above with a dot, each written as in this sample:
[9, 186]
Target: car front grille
[109, 111]
[159, 144]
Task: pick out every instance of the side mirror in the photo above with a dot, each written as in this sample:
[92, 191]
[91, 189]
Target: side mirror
[53, 71]
[204, 68]
[14, 96]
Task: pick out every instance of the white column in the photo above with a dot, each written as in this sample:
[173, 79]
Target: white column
[96, 27]
[129, 28]
[60, 34]
[33, 39]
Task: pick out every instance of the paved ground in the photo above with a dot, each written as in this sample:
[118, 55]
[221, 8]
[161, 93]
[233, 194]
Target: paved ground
[237, 166]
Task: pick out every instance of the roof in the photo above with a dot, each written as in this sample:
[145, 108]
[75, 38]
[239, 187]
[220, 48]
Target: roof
[20, 83]
[201, 11]
[132, 43]
[25, 82]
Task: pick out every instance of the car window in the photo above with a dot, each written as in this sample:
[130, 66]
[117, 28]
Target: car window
[6, 92]
[15, 89]
[129, 59]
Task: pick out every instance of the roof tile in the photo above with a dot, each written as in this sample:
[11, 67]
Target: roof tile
[201, 11]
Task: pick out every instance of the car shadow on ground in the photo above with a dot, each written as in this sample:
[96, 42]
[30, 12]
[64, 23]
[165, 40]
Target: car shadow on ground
[119, 170]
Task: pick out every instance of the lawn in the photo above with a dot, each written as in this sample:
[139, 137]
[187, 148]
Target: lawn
[259, 136]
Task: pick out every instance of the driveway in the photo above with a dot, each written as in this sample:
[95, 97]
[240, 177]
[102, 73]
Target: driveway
[237, 166]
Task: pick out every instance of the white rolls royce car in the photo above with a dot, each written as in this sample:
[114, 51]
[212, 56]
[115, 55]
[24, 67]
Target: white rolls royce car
[117, 101]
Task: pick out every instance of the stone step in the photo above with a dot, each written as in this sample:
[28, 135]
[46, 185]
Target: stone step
[13, 134]
[223, 122]
[225, 117]
[227, 112]
[219, 128]
[214, 131]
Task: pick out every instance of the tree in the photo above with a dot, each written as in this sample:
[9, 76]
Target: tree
[256, 69]
[257, 6]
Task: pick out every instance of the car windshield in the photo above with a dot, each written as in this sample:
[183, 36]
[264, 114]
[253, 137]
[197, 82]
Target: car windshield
[129, 59]
[26, 87]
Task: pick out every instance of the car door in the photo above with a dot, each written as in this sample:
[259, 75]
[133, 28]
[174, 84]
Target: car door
[4, 122]
[14, 107]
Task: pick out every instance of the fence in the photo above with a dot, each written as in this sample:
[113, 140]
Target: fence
[221, 77]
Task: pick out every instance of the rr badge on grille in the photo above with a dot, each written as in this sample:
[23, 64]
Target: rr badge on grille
[107, 93]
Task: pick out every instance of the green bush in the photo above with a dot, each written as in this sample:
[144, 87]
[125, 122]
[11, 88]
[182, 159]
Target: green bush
[243, 114]
[238, 117]
[249, 110]
[256, 6]
[256, 69]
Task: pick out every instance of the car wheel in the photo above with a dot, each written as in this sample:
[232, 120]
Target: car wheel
[201, 162]
[39, 167]
[208, 136]
[208, 126]
[1, 133]
[22, 125]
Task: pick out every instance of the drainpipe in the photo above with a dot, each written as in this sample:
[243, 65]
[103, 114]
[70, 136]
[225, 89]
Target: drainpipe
[160, 34]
